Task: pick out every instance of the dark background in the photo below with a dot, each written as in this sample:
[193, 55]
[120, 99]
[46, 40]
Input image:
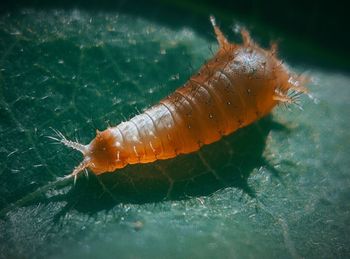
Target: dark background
[323, 24]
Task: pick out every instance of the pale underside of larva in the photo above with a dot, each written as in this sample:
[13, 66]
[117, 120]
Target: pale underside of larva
[238, 86]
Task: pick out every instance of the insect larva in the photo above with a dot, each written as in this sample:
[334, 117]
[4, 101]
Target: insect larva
[238, 86]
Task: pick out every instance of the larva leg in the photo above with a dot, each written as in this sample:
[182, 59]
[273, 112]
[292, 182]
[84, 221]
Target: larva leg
[299, 88]
[282, 98]
[297, 83]
[246, 37]
[219, 35]
[290, 97]
[273, 48]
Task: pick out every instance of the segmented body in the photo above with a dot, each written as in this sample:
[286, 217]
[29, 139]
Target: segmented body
[239, 85]
[218, 100]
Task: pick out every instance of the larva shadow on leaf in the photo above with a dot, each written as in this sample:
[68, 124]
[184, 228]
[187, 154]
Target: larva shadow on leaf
[226, 163]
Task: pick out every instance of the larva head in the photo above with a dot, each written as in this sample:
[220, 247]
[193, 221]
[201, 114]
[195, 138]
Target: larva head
[99, 155]
[102, 153]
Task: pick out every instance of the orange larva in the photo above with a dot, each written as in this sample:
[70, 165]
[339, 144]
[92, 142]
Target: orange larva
[238, 86]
